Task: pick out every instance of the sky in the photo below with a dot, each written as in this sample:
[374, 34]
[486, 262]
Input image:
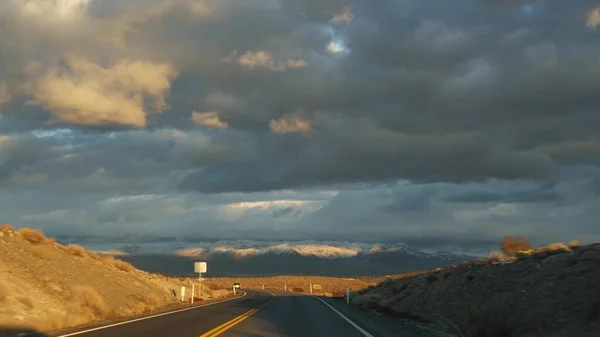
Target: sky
[450, 121]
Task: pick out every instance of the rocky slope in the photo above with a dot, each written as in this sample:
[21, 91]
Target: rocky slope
[548, 293]
[50, 286]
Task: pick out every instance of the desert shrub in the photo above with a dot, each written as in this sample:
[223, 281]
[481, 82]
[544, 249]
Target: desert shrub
[338, 293]
[86, 301]
[496, 257]
[75, 250]
[94, 256]
[213, 286]
[32, 235]
[84, 305]
[511, 245]
[523, 255]
[574, 244]
[556, 246]
[124, 266]
[6, 228]
[119, 264]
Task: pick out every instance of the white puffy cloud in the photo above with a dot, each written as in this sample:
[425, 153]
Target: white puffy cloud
[209, 119]
[264, 59]
[291, 124]
[88, 94]
[345, 16]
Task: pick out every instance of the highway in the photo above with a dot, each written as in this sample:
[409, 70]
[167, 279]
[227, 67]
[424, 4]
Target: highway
[257, 313]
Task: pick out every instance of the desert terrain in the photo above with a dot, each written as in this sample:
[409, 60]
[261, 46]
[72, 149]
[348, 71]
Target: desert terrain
[553, 291]
[48, 286]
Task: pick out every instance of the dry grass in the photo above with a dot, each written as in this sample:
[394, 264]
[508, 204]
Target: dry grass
[87, 301]
[34, 236]
[119, 264]
[75, 250]
[557, 246]
[124, 266]
[105, 288]
[294, 283]
[496, 257]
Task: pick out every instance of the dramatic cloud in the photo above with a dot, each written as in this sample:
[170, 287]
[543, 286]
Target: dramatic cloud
[459, 120]
[86, 93]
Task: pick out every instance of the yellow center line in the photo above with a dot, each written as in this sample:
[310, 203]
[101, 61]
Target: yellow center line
[228, 325]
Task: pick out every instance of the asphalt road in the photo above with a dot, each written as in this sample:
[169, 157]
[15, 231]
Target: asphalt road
[279, 314]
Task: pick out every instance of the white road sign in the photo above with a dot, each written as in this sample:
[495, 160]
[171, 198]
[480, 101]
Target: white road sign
[200, 267]
[316, 286]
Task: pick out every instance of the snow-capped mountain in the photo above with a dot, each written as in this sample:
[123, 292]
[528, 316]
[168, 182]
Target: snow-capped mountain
[239, 257]
[248, 248]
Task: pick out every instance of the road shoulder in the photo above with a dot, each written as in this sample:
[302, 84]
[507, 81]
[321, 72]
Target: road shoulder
[379, 325]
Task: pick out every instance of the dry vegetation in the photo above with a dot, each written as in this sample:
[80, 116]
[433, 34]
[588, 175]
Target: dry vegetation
[49, 286]
[329, 285]
[550, 291]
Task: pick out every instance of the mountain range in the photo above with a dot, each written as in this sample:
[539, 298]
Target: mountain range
[254, 258]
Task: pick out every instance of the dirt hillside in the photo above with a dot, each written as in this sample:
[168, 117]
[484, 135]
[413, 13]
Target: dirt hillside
[550, 292]
[49, 286]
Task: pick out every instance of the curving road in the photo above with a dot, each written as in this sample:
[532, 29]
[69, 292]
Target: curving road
[278, 314]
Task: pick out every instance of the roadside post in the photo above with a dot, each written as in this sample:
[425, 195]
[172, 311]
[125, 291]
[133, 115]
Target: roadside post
[233, 289]
[311, 288]
[347, 295]
[200, 267]
[285, 287]
[193, 291]
[182, 293]
[263, 286]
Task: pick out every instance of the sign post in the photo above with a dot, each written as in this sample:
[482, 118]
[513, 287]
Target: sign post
[193, 285]
[200, 267]
[311, 288]
[182, 294]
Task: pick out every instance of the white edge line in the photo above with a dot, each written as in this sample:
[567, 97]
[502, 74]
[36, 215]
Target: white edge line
[363, 331]
[149, 317]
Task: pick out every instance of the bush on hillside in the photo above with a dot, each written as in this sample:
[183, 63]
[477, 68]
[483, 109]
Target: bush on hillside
[75, 250]
[512, 245]
[6, 228]
[32, 235]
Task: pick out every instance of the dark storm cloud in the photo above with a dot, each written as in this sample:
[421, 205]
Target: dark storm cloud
[427, 92]
[482, 105]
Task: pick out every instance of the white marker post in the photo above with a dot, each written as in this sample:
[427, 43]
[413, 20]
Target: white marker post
[200, 267]
[347, 295]
[233, 289]
[193, 286]
[311, 288]
[285, 287]
[182, 294]
[263, 286]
